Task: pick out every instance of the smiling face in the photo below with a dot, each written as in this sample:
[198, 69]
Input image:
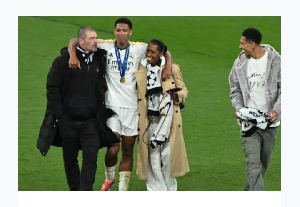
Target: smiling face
[246, 46]
[153, 54]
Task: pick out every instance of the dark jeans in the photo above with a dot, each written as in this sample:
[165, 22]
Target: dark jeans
[78, 135]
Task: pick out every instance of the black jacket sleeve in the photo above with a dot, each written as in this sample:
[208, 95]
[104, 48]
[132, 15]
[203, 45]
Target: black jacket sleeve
[49, 133]
[54, 88]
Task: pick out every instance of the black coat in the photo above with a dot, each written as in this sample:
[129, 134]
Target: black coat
[56, 85]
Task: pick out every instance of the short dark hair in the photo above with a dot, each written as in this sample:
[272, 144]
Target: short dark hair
[124, 20]
[252, 35]
[160, 45]
[82, 31]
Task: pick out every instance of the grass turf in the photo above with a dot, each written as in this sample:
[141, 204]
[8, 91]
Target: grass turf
[204, 47]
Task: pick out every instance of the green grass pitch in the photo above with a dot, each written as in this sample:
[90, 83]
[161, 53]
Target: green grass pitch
[204, 47]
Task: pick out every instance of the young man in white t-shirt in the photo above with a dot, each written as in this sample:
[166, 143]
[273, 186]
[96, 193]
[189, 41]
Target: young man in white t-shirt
[123, 59]
[255, 82]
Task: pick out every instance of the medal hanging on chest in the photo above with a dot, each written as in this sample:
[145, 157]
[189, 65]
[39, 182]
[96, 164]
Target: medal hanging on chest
[122, 79]
[122, 66]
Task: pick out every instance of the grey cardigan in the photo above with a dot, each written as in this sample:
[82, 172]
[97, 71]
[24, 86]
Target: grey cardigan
[239, 88]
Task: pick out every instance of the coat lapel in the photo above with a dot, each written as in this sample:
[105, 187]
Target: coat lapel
[141, 79]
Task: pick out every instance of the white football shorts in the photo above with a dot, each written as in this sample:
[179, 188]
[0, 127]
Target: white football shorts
[124, 122]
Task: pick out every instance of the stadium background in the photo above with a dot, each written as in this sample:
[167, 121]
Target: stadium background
[204, 47]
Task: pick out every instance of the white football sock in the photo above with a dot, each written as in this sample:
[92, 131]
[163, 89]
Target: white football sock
[110, 173]
[124, 179]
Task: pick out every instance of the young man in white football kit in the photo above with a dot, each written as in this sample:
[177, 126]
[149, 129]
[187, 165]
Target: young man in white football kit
[123, 58]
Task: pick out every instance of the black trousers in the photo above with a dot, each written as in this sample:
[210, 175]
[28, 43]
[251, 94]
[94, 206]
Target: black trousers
[76, 135]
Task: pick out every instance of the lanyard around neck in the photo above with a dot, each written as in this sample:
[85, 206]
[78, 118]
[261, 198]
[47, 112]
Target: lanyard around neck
[122, 66]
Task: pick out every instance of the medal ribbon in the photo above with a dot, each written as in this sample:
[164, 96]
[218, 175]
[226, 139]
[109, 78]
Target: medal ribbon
[122, 67]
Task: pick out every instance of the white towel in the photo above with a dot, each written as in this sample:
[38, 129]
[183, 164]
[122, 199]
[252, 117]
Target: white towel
[162, 131]
[252, 119]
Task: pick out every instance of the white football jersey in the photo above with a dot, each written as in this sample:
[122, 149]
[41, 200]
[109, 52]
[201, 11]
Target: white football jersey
[122, 94]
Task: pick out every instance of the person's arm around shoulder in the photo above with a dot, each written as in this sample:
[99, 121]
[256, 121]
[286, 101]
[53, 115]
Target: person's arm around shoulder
[73, 61]
[167, 71]
[181, 95]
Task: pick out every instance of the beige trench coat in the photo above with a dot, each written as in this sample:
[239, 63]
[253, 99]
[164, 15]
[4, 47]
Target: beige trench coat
[179, 161]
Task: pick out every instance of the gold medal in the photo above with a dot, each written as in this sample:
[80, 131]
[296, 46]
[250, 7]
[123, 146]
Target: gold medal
[122, 79]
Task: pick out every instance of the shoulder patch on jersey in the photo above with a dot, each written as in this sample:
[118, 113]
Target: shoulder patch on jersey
[137, 43]
[106, 41]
